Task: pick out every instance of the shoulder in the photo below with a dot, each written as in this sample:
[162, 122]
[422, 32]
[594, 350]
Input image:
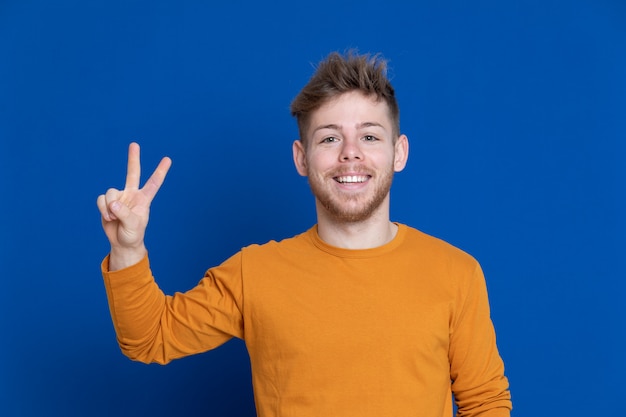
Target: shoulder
[435, 248]
[299, 242]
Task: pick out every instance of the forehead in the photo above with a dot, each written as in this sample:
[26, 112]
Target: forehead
[351, 108]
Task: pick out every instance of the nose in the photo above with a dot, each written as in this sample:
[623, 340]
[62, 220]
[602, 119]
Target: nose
[350, 150]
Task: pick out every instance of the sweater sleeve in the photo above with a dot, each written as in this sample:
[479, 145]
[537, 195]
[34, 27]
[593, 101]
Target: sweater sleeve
[477, 371]
[154, 327]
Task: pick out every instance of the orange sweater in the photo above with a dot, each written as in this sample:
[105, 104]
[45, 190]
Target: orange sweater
[389, 331]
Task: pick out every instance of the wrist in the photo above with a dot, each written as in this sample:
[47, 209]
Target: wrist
[123, 257]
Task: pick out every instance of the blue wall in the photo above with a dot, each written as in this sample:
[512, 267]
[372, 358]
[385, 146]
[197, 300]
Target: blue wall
[516, 112]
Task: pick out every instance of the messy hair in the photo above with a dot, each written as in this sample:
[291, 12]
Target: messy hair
[338, 74]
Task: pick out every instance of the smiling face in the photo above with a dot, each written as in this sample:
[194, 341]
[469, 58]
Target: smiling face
[349, 156]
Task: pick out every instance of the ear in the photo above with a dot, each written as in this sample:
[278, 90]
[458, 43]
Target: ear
[401, 154]
[299, 158]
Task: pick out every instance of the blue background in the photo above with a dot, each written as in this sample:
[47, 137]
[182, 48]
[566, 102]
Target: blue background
[516, 115]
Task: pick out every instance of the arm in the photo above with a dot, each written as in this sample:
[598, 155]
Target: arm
[152, 326]
[477, 371]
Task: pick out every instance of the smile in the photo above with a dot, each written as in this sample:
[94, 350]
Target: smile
[351, 179]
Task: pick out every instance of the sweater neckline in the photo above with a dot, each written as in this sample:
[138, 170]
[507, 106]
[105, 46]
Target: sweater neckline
[358, 253]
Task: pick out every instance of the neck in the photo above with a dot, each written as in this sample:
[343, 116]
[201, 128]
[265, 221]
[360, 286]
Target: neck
[372, 232]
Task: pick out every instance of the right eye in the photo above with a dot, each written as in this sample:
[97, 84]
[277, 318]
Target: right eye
[329, 139]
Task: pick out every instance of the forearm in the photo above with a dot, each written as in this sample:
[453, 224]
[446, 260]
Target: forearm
[493, 399]
[477, 370]
[136, 305]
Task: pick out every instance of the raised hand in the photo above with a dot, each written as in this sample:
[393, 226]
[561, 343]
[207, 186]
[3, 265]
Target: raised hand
[125, 212]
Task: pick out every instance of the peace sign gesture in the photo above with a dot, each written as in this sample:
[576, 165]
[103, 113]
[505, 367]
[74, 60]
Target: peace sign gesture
[125, 212]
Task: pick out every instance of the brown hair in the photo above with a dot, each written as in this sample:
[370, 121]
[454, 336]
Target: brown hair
[338, 74]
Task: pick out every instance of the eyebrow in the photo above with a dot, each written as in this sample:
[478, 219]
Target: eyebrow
[338, 127]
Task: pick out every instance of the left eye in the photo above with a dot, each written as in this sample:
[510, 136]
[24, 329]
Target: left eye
[370, 138]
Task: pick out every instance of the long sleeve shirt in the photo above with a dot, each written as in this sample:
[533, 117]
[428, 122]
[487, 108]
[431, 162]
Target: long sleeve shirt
[396, 330]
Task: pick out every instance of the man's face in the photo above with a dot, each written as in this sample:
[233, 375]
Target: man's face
[350, 157]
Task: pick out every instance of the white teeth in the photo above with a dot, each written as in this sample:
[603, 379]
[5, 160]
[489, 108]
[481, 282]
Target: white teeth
[352, 179]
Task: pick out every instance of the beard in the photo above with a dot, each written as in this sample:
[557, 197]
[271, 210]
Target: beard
[351, 207]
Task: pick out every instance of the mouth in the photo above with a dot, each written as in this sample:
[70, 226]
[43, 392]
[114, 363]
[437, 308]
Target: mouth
[351, 179]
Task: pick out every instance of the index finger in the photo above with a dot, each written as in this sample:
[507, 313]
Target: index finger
[133, 170]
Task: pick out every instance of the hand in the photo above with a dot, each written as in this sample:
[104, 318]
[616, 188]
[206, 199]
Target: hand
[125, 212]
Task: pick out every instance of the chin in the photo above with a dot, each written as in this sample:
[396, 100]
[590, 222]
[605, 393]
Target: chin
[340, 213]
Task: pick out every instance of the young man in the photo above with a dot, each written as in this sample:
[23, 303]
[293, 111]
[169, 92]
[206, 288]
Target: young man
[358, 316]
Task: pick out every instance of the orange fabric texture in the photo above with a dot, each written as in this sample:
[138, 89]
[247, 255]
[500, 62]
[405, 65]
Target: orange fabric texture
[389, 331]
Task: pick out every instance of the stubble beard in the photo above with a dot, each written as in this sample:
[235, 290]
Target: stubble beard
[349, 207]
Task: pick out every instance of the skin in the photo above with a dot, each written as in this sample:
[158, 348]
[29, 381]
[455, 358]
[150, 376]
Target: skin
[349, 136]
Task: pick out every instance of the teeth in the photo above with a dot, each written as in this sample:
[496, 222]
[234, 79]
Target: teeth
[352, 179]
